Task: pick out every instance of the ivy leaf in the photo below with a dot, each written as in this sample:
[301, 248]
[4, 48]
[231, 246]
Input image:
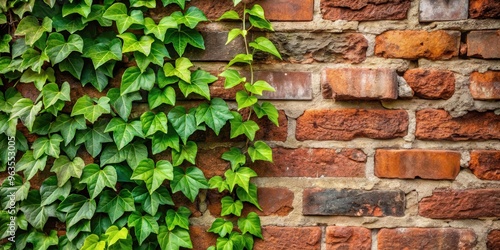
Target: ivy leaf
[239, 127]
[241, 58]
[72, 64]
[41, 241]
[200, 80]
[94, 138]
[232, 78]
[264, 44]
[50, 191]
[174, 239]
[159, 30]
[114, 235]
[122, 103]
[158, 53]
[4, 43]
[48, 146]
[181, 69]
[26, 111]
[179, 218]
[33, 59]
[76, 7]
[103, 52]
[250, 196]
[97, 77]
[96, 12]
[189, 182]
[234, 156]
[81, 226]
[136, 152]
[92, 242]
[219, 183]
[143, 225]
[221, 227]
[30, 165]
[162, 142]
[151, 202]
[116, 204]
[258, 87]
[36, 214]
[180, 38]
[39, 79]
[241, 177]
[32, 30]
[233, 34]
[143, 3]
[250, 224]
[111, 155]
[157, 97]
[68, 24]
[187, 152]
[257, 18]
[181, 3]
[51, 93]
[3, 19]
[191, 18]
[231, 15]
[85, 106]
[97, 178]
[131, 44]
[65, 169]
[151, 123]
[229, 206]
[214, 115]
[134, 79]
[268, 109]
[260, 151]
[118, 13]
[123, 132]
[58, 49]
[151, 175]
[183, 123]
[244, 99]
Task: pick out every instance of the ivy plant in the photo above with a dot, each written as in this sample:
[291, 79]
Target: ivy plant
[107, 137]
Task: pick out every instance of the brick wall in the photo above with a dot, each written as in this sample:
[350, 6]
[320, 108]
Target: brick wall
[388, 136]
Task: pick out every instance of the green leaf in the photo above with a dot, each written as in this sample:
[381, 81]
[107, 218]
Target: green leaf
[41, 241]
[143, 3]
[94, 138]
[260, 151]
[221, 227]
[151, 202]
[191, 18]
[77, 208]
[114, 235]
[96, 13]
[159, 30]
[72, 64]
[30, 165]
[181, 69]
[180, 38]
[151, 123]
[123, 132]
[171, 240]
[232, 78]
[33, 59]
[73, 231]
[48, 146]
[118, 13]
[181, 3]
[250, 224]
[4, 43]
[65, 169]
[257, 18]
[225, 244]
[51, 93]
[69, 24]
[157, 97]
[143, 225]
[235, 156]
[15, 186]
[3, 19]
[268, 109]
[187, 152]
[111, 155]
[36, 214]
[162, 142]
[239, 127]
[219, 183]
[51, 192]
[97, 77]
[85, 106]
[26, 111]
[76, 7]
[58, 49]
[233, 34]
[158, 54]
[241, 58]
[39, 79]
[189, 182]
[116, 204]
[229, 206]
[259, 86]
[250, 196]
[264, 44]
[92, 242]
[244, 99]
[151, 175]
[183, 123]
[200, 80]
[241, 177]
[232, 15]
[32, 30]
[133, 80]
[104, 52]
[97, 178]
[122, 104]
[179, 218]
[136, 152]
[131, 44]
[215, 115]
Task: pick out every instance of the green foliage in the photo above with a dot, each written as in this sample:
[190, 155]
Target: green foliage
[95, 143]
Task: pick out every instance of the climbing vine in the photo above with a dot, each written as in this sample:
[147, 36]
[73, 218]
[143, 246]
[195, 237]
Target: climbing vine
[123, 199]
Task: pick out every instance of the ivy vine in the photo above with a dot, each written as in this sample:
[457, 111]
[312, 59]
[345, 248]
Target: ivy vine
[123, 200]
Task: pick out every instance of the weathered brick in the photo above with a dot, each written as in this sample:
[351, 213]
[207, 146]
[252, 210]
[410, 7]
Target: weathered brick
[216, 48]
[313, 162]
[435, 124]
[426, 238]
[484, 9]
[484, 44]
[443, 10]
[493, 241]
[461, 204]
[363, 10]
[304, 238]
[415, 44]
[431, 84]
[485, 86]
[202, 239]
[348, 238]
[210, 162]
[352, 202]
[360, 84]
[347, 124]
[485, 164]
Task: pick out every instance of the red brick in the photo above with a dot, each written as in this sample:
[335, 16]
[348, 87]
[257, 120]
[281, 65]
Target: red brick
[415, 44]
[484, 9]
[288, 10]
[461, 204]
[435, 124]
[348, 238]
[359, 84]
[216, 48]
[347, 124]
[431, 84]
[210, 162]
[353, 202]
[485, 86]
[410, 164]
[303, 238]
[485, 164]
[362, 10]
[443, 10]
[426, 238]
[484, 44]
[493, 241]
[202, 239]
[313, 162]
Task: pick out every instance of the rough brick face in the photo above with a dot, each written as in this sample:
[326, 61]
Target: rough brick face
[347, 124]
[304, 238]
[485, 86]
[363, 10]
[431, 84]
[441, 10]
[484, 44]
[409, 164]
[439, 125]
[348, 238]
[359, 84]
[203, 239]
[485, 164]
[414, 44]
[484, 9]
[351, 202]
[461, 204]
[288, 10]
[493, 242]
[313, 162]
[426, 238]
